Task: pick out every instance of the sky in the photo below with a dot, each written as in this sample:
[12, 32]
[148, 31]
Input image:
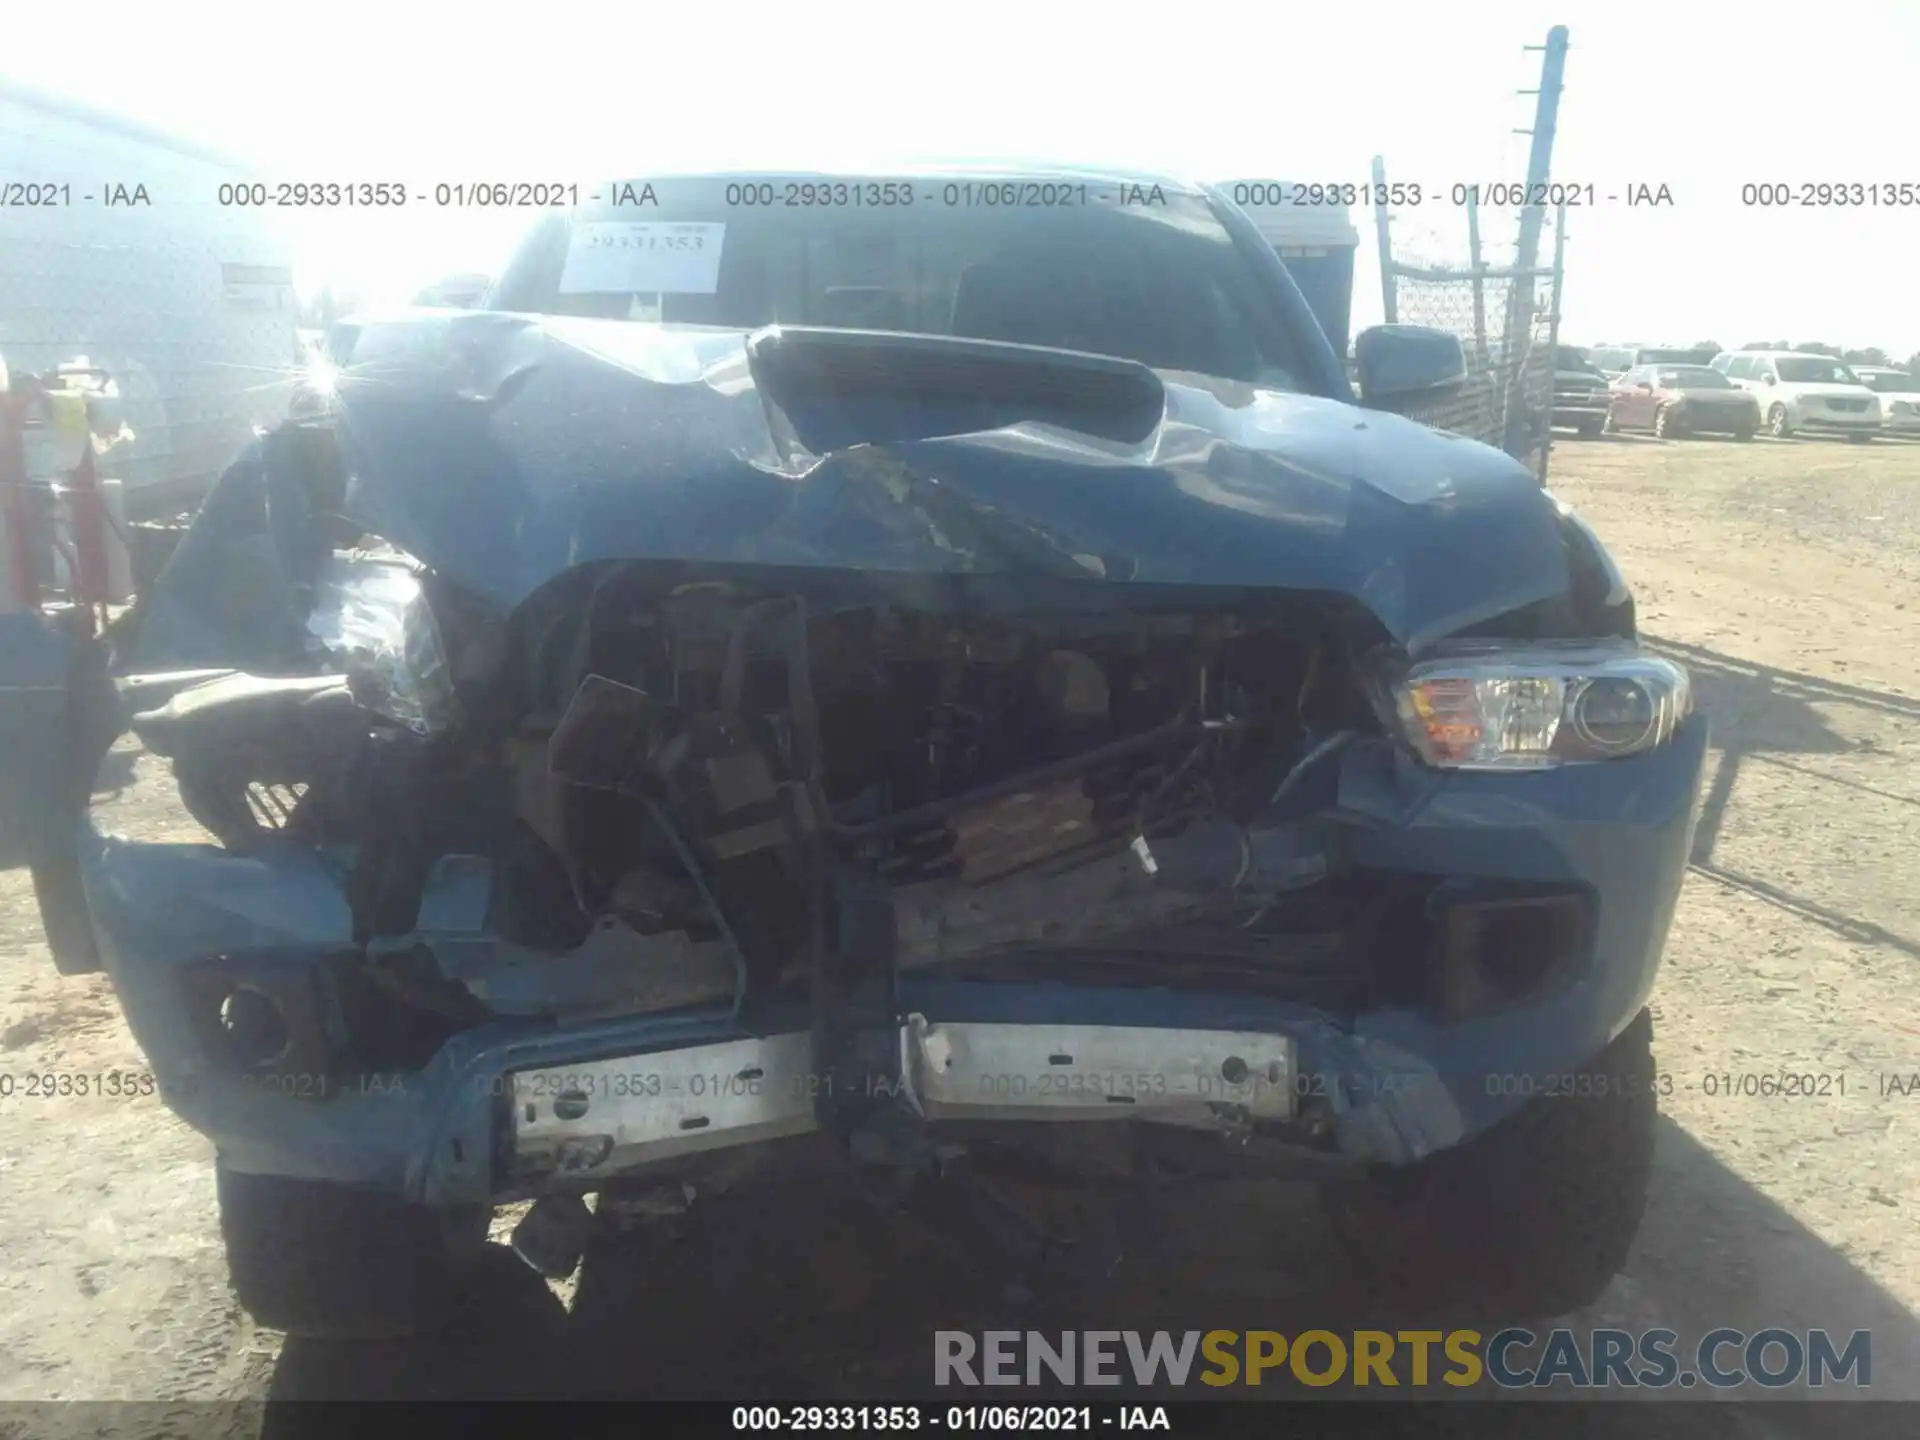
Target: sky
[1699, 98]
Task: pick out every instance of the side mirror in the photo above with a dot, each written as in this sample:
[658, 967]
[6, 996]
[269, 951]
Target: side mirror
[1400, 366]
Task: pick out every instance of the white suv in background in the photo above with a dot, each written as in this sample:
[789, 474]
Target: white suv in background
[1799, 391]
[1899, 392]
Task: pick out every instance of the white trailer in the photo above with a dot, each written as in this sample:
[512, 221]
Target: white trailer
[116, 247]
[1314, 235]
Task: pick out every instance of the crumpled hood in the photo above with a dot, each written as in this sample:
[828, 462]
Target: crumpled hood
[505, 449]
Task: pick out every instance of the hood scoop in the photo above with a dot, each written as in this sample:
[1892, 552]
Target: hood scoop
[841, 388]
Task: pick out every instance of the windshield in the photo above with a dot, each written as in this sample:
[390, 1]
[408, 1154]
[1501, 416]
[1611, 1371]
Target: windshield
[1567, 358]
[1891, 382]
[1811, 370]
[1668, 357]
[1093, 269]
[1693, 377]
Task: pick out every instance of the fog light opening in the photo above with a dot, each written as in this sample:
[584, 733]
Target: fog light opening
[1497, 952]
[253, 1028]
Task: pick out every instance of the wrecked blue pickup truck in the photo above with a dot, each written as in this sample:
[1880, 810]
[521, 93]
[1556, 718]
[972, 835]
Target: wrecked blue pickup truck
[938, 687]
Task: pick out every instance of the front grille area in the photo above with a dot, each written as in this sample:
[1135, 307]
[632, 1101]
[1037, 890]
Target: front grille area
[1852, 407]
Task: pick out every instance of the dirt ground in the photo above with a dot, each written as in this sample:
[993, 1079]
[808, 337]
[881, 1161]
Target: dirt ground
[1785, 575]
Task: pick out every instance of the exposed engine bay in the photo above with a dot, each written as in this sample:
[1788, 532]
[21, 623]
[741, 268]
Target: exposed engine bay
[950, 761]
[668, 783]
[661, 795]
[785, 801]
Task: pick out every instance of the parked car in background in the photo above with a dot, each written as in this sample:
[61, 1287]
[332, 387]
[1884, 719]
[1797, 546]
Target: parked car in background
[1800, 391]
[1899, 392]
[1676, 400]
[1614, 361]
[1580, 395]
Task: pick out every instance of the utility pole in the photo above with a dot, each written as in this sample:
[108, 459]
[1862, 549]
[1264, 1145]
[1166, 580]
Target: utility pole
[1519, 328]
[1546, 115]
[1557, 281]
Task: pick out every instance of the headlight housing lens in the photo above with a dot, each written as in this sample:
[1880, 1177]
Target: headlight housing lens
[1513, 708]
[370, 614]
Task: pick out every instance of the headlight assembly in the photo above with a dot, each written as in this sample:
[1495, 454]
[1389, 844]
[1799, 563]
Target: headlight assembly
[1532, 707]
[371, 616]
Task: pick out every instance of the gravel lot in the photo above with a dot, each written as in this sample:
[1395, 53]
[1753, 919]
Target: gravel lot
[1785, 574]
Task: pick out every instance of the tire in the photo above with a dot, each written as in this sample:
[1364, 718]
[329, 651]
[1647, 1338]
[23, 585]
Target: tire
[1530, 1220]
[1743, 434]
[1666, 425]
[1607, 426]
[333, 1262]
[504, 1340]
[1591, 428]
[1778, 425]
[1859, 439]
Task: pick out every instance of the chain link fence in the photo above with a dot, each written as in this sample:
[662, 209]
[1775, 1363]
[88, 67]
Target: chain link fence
[1464, 273]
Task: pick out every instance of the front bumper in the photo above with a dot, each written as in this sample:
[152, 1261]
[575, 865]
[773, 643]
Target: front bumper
[1811, 417]
[1719, 419]
[498, 1112]
[1576, 409]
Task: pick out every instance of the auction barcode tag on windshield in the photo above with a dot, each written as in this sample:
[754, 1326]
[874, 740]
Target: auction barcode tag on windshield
[637, 257]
